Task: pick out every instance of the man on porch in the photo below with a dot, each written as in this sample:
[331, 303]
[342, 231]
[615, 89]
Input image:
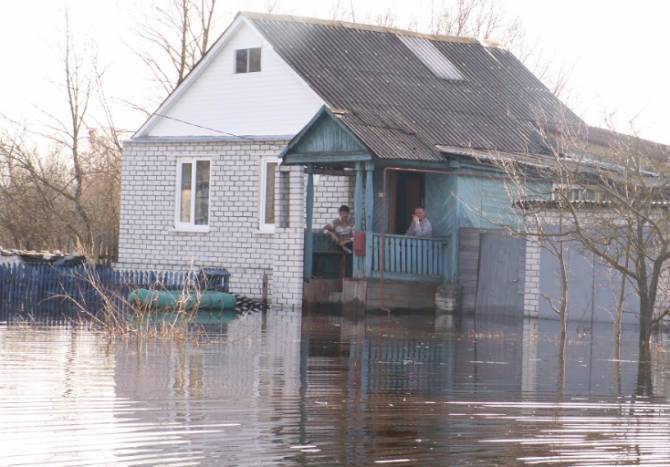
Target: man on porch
[341, 229]
[420, 226]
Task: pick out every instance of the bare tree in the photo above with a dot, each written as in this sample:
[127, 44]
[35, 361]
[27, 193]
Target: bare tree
[488, 21]
[178, 36]
[483, 19]
[66, 197]
[618, 286]
[609, 195]
[271, 6]
[524, 184]
[343, 10]
[631, 232]
[385, 19]
[615, 206]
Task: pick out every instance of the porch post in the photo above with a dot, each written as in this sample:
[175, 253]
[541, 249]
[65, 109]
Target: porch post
[309, 208]
[358, 216]
[369, 211]
[358, 197]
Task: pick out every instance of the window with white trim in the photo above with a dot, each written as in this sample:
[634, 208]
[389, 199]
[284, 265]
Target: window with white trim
[193, 193]
[267, 194]
[248, 60]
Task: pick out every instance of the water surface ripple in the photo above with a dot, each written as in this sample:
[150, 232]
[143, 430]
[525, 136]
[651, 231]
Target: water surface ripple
[285, 389]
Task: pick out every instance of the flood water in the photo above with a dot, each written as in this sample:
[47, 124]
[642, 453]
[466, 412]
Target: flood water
[284, 389]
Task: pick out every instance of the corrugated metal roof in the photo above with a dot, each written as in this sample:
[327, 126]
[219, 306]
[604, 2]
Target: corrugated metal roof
[398, 107]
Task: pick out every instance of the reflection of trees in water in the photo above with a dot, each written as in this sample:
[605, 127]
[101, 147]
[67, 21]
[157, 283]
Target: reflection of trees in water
[521, 357]
[529, 339]
[359, 389]
[249, 375]
[51, 380]
[227, 365]
[221, 364]
[652, 368]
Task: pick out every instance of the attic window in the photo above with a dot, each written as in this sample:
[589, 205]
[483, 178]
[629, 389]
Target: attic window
[435, 60]
[248, 60]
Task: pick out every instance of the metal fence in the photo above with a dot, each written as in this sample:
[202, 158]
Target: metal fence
[44, 293]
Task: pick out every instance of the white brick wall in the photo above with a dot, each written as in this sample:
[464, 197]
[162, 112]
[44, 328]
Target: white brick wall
[330, 193]
[288, 244]
[149, 240]
[531, 296]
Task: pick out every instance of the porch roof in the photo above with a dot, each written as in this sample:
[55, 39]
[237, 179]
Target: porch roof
[326, 141]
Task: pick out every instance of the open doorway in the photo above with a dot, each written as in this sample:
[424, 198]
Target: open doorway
[407, 192]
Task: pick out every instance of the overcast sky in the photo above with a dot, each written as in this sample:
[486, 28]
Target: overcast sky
[616, 51]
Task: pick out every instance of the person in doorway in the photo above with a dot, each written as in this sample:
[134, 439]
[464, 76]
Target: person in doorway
[420, 226]
[341, 230]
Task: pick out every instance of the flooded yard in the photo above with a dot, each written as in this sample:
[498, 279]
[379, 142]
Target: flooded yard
[284, 389]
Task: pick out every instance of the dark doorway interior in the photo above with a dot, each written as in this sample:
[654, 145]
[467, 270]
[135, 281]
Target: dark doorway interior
[409, 194]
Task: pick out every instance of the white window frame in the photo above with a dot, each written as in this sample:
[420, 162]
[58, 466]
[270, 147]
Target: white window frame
[191, 226]
[262, 208]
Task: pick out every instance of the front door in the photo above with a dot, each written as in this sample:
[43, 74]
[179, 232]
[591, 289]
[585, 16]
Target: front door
[409, 194]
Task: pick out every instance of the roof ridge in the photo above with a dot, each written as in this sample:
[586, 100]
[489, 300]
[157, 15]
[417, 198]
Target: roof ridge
[360, 26]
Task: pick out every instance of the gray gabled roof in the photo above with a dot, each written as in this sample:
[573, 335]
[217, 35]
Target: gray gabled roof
[398, 107]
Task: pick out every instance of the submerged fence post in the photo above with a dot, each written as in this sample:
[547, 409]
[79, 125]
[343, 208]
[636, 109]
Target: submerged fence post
[264, 292]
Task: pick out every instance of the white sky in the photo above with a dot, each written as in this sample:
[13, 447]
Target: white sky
[617, 51]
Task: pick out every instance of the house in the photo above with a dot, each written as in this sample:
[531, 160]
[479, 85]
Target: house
[287, 118]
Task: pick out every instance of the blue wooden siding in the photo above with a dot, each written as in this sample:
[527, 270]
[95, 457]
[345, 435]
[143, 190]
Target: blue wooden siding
[485, 202]
[327, 136]
[442, 208]
[441, 203]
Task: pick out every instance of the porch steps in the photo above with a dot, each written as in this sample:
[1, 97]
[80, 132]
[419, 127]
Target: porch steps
[321, 290]
[397, 295]
[335, 297]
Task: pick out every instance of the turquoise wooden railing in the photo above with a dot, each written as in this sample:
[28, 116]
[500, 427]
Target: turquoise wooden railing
[410, 258]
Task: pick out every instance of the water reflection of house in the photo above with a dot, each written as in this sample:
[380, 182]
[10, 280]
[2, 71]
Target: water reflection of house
[509, 355]
[394, 387]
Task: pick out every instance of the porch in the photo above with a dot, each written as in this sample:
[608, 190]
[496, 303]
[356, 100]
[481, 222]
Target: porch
[384, 195]
[384, 269]
[391, 256]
